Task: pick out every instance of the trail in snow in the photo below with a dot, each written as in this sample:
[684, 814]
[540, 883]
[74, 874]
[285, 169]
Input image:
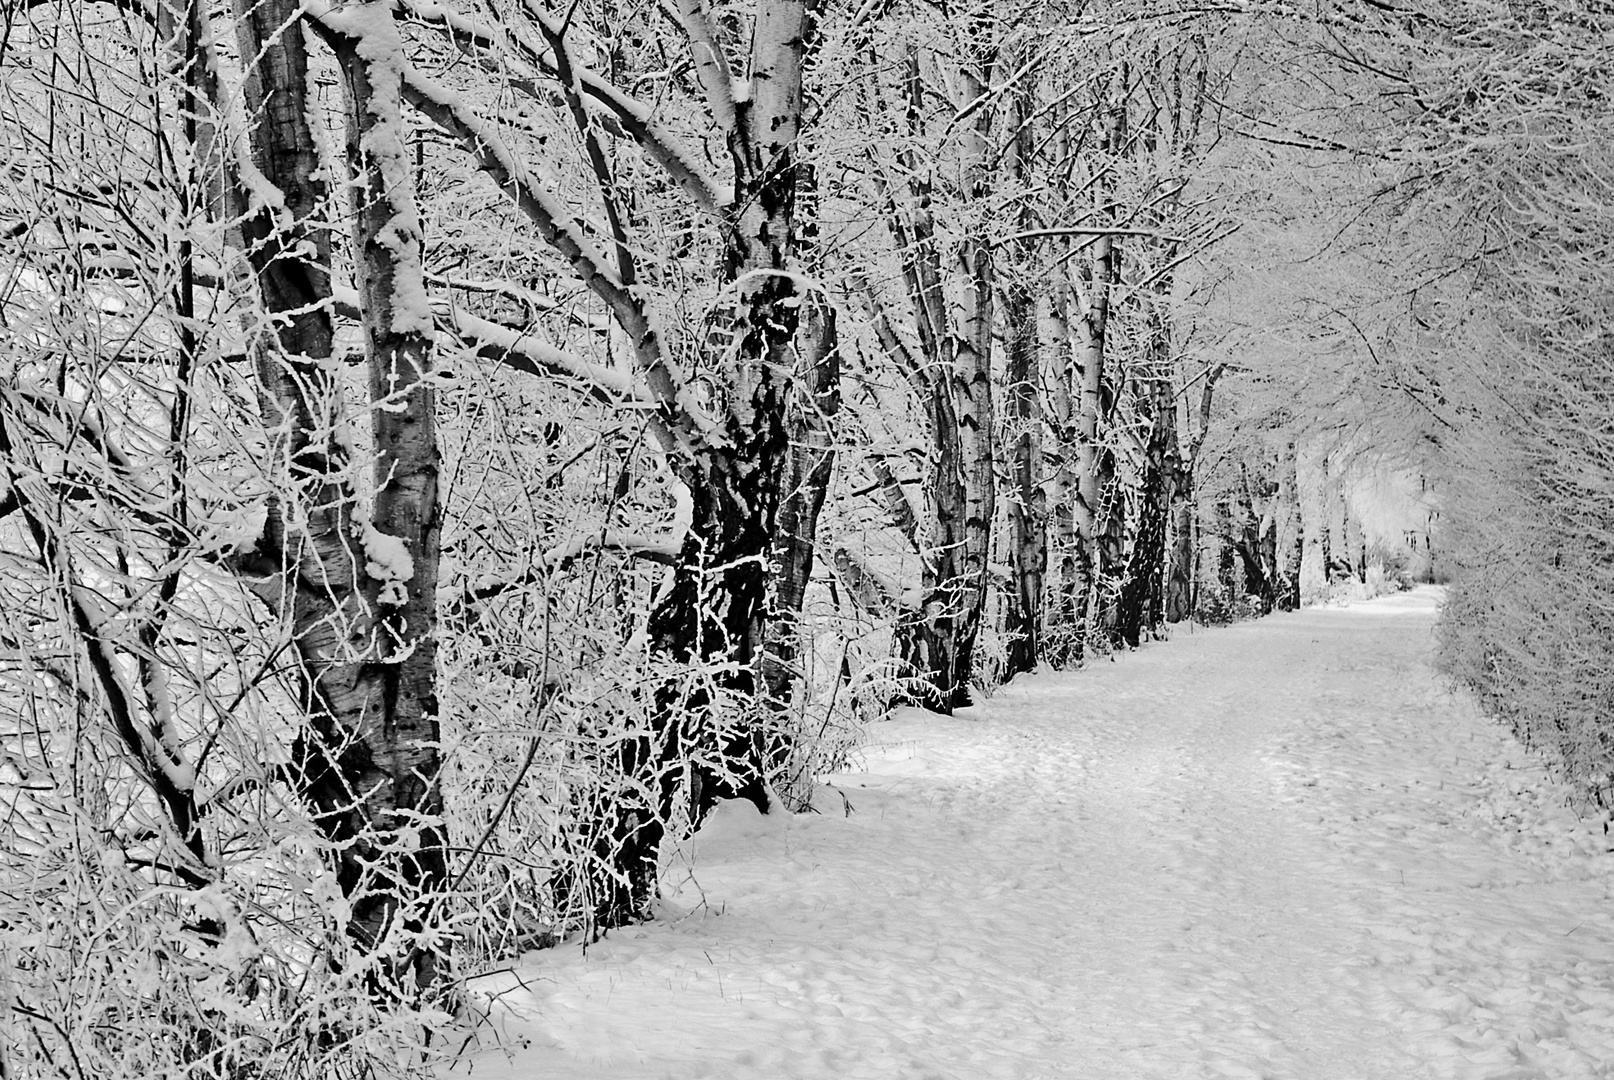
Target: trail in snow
[1276, 850]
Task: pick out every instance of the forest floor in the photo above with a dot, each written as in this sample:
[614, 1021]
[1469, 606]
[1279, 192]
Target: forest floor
[1276, 850]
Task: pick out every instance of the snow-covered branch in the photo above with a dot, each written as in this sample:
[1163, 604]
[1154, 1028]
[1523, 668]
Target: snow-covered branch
[634, 119]
[711, 66]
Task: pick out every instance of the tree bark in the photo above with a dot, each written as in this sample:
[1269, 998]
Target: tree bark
[1062, 629]
[1028, 526]
[402, 722]
[1290, 534]
[937, 642]
[812, 459]
[1253, 546]
[972, 349]
[712, 731]
[359, 595]
[1098, 508]
[1141, 607]
[1311, 472]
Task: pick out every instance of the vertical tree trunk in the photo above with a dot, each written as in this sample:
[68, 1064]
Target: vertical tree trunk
[1140, 607]
[815, 402]
[1180, 579]
[1109, 564]
[1062, 632]
[1098, 507]
[715, 608]
[1028, 541]
[1091, 472]
[359, 594]
[934, 641]
[1027, 511]
[1251, 545]
[1186, 549]
[972, 348]
[1339, 546]
[1226, 550]
[1170, 591]
[401, 546]
[938, 641]
[1355, 543]
[1290, 537]
[1311, 475]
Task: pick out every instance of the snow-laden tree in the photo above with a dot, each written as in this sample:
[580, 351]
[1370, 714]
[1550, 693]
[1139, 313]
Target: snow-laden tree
[240, 322]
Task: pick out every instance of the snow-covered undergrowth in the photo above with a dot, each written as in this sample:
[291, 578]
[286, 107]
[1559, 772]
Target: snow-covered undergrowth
[1276, 850]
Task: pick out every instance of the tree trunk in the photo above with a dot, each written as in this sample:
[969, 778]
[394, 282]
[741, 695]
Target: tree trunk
[972, 350]
[398, 346]
[938, 641]
[711, 732]
[1355, 543]
[1028, 527]
[1311, 482]
[1290, 534]
[1141, 605]
[1092, 459]
[1098, 509]
[1251, 545]
[1063, 624]
[1027, 510]
[1180, 579]
[934, 641]
[1339, 541]
[359, 595]
[812, 459]
[1226, 550]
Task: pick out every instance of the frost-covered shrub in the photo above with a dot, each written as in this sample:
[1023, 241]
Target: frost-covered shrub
[1528, 527]
[1528, 623]
[1218, 604]
[111, 968]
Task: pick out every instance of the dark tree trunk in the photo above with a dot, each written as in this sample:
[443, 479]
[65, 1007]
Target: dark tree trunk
[1290, 538]
[812, 460]
[1226, 548]
[1180, 582]
[1027, 511]
[1110, 567]
[1254, 548]
[1142, 602]
[711, 730]
[936, 641]
[1028, 525]
[1061, 627]
[358, 594]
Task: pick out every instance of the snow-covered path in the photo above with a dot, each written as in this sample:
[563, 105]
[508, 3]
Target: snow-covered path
[1275, 850]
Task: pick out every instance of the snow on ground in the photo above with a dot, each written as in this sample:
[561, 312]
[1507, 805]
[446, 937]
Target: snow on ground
[1278, 850]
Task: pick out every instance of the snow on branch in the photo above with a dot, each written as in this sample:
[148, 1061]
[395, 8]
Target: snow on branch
[1092, 233]
[561, 231]
[635, 119]
[558, 559]
[559, 228]
[711, 66]
[518, 349]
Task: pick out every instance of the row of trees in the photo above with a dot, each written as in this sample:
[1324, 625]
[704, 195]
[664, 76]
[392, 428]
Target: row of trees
[449, 449]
